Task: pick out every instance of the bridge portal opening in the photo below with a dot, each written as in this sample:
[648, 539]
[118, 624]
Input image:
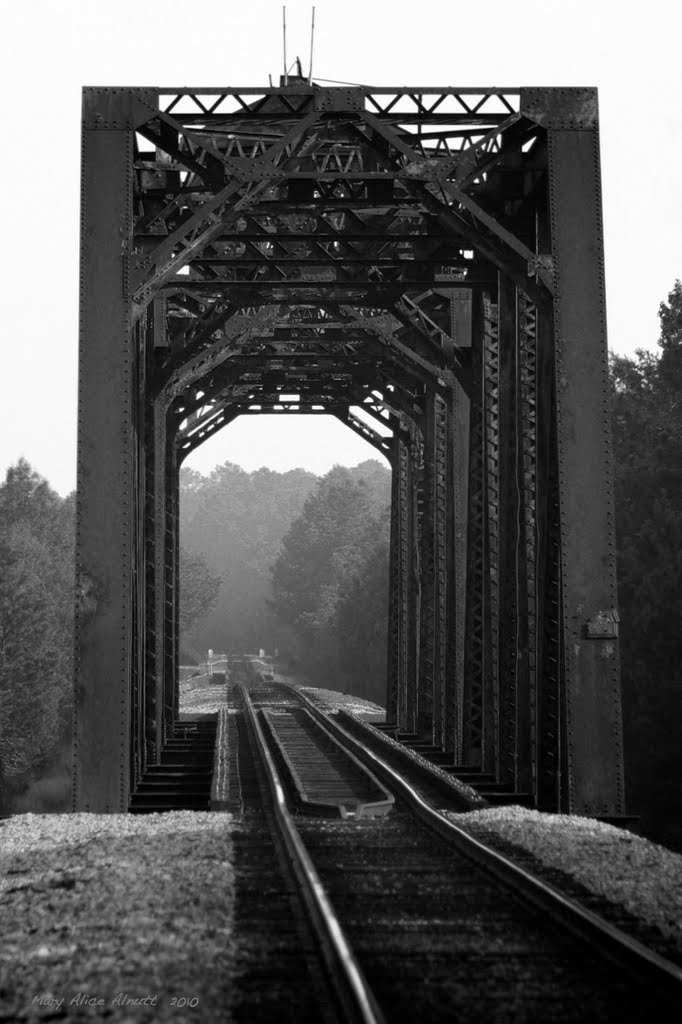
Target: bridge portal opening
[285, 559]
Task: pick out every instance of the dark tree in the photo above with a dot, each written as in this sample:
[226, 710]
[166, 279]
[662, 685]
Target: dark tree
[36, 626]
[237, 520]
[322, 561]
[647, 429]
[362, 619]
[199, 590]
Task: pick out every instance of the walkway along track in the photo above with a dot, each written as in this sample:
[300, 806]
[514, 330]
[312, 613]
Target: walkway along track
[441, 927]
[326, 778]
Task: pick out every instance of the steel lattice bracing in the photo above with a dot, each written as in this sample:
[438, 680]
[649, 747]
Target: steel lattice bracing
[425, 265]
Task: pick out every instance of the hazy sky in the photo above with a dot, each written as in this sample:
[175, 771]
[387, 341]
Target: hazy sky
[50, 48]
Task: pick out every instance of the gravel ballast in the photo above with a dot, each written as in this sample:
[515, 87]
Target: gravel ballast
[132, 918]
[344, 702]
[200, 695]
[615, 865]
[610, 862]
[119, 917]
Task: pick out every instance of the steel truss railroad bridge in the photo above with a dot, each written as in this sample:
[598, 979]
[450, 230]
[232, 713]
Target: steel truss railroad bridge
[426, 265]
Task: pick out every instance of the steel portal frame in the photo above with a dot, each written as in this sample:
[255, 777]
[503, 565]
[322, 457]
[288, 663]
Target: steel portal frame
[426, 265]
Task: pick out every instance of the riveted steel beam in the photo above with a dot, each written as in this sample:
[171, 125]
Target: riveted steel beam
[526, 559]
[414, 524]
[550, 720]
[399, 586]
[154, 723]
[433, 571]
[491, 581]
[508, 513]
[106, 512]
[479, 739]
[461, 313]
[588, 572]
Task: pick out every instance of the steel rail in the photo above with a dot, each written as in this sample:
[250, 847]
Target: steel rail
[352, 990]
[606, 938]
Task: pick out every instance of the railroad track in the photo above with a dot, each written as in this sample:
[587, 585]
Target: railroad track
[277, 972]
[326, 779]
[417, 920]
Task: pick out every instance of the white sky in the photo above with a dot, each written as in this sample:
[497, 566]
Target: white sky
[50, 48]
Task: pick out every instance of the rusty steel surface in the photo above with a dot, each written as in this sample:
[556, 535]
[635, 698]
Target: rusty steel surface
[425, 264]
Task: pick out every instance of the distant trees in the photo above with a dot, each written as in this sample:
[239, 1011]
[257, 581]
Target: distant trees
[647, 433]
[362, 619]
[236, 520]
[36, 626]
[320, 536]
[329, 581]
[199, 590]
[233, 525]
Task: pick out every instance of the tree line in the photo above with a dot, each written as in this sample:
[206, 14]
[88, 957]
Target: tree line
[301, 563]
[330, 583]
[36, 637]
[647, 436]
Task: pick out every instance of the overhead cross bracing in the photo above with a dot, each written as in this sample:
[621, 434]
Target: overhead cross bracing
[426, 265]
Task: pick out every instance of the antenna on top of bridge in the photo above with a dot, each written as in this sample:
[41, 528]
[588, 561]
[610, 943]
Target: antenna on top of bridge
[312, 43]
[298, 75]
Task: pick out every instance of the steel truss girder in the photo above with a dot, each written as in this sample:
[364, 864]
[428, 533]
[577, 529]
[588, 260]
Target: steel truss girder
[460, 211]
[271, 230]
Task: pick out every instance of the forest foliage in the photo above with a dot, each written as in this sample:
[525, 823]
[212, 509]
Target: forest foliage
[292, 561]
[330, 583]
[647, 436]
[36, 629]
[236, 520]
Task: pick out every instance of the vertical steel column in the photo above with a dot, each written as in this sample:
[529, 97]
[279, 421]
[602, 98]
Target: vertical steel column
[156, 684]
[442, 548]
[476, 639]
[393, 650]
[589, 598]
[167, 708]
[172, 670]
[508, 530]
[491, 389]
[460, 329]
[427, 691]
[161, 437]
[143, 345]
[550, 717]
[526, 781]
[427, 578]
[106, 500]
[147, 709]
[516, 535]
[399, 573]
[452, 690]
[414, 570]
[433, 623]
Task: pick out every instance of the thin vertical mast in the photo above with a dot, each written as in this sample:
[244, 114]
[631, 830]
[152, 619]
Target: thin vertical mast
[284, 42]
[312, 42]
